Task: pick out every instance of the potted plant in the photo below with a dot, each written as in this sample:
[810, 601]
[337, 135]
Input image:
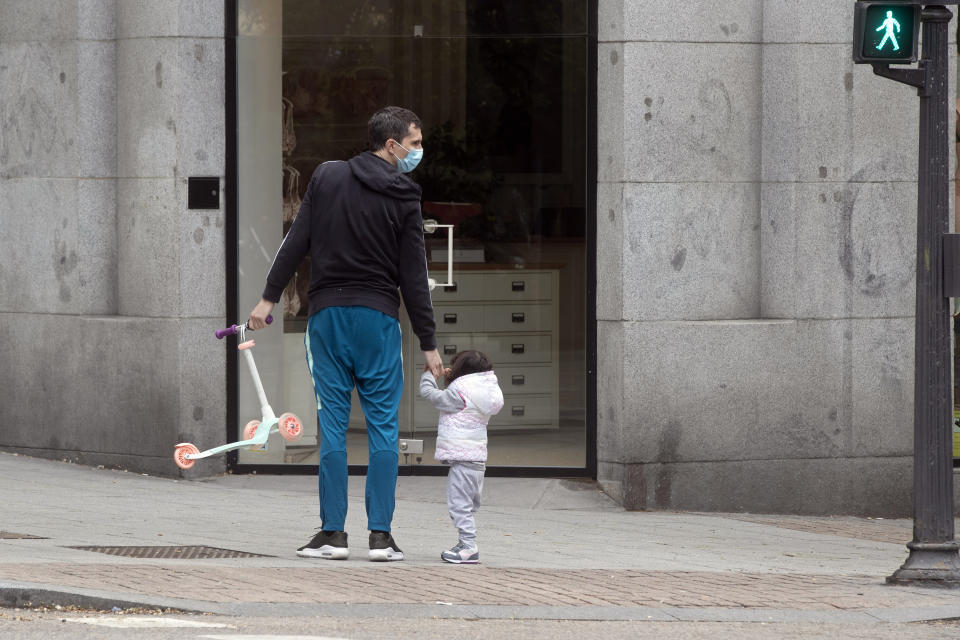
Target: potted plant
[455, 181]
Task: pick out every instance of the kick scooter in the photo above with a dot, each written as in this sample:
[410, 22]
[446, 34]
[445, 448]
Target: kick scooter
[256, 432]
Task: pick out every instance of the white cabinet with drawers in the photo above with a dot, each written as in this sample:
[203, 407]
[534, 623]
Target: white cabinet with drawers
[510, 315]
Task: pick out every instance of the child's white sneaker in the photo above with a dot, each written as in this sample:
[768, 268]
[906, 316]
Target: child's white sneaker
[461, 554]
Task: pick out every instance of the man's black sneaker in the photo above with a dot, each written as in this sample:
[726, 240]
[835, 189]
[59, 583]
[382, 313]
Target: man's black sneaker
[330, 545]
[383, 547]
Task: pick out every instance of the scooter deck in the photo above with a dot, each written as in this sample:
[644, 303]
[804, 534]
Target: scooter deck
[259, 438]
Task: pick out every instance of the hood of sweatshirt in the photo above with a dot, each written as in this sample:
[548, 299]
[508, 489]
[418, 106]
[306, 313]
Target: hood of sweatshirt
[379, 175]
[482, 390]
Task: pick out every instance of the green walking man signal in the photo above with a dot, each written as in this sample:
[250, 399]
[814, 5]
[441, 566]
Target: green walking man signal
[886, 32]
[889, 25]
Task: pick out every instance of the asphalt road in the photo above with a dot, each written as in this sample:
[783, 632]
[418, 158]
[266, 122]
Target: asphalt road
[25, 624]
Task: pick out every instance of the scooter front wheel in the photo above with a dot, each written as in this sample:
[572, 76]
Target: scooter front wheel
[179, 455]
[249, 431]
[290, 426]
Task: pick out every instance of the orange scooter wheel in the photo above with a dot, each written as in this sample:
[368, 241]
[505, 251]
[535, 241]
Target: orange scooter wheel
[249, 431]
[290, 426]
[179, 455]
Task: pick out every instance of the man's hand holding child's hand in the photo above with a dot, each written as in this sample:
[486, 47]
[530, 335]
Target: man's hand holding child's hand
[433, 363]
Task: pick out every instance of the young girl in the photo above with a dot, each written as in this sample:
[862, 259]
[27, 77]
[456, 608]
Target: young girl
[472, 395]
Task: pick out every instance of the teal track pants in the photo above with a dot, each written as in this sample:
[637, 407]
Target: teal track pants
[347, 347]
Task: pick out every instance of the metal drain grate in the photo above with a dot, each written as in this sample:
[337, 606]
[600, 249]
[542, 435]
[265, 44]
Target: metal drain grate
[10, 535]
[177, 553]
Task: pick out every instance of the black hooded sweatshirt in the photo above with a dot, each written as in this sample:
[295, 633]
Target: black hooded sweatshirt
[360, 222]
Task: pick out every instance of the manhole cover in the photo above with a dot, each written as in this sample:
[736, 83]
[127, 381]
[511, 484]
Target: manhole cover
[10, 535]
[166, 553]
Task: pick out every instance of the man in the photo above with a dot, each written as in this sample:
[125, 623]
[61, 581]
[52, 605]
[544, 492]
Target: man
[360, 221]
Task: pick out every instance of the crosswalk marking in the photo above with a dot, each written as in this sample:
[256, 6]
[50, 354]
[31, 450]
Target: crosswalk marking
[238, 636]
[147, 622]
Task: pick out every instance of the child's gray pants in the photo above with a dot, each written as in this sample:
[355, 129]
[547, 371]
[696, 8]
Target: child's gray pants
[464, 486]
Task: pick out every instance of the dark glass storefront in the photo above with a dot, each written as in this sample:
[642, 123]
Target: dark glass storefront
[506, 94]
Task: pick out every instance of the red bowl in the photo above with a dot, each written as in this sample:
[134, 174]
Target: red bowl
[452, 212]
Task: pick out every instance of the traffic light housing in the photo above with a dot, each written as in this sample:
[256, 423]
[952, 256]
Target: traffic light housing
[886, 32]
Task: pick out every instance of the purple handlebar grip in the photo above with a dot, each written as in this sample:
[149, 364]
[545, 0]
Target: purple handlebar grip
[229, 331]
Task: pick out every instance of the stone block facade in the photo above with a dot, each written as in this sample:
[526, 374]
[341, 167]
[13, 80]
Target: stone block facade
[755, 249]
[109, 285]
[761, 327]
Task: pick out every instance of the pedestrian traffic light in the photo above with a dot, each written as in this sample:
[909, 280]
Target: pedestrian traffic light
[886, 32]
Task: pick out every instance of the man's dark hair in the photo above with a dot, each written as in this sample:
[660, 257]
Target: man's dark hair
[390, 122]
[467, 362]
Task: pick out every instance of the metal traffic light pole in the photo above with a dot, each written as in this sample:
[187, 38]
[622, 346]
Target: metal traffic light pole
[934, 558]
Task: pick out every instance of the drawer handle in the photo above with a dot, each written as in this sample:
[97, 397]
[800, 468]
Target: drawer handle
[449, 349]
[518, 379]
[518, 348]
[450, 318]
[518, 410]
[518, 285]
[519, 317]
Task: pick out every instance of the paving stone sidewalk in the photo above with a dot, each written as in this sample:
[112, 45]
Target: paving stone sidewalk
[550, 548]
[484, 586]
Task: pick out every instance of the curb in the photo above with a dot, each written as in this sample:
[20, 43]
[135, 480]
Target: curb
[26, 595]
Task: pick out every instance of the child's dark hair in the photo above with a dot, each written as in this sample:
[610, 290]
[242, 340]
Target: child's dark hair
[467, 362]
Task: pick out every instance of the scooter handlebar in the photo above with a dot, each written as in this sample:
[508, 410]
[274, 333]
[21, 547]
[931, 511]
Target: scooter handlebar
[235, 329]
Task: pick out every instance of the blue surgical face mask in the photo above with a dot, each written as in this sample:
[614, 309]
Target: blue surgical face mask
[410, 162]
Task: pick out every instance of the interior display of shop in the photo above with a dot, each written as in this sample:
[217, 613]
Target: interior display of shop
[502, 90]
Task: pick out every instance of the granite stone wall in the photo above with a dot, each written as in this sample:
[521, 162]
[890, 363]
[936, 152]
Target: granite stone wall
[760, 210]
[109, 286]
[756, 249]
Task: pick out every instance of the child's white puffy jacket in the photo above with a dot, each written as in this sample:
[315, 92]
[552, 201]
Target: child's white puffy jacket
[465, 408]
